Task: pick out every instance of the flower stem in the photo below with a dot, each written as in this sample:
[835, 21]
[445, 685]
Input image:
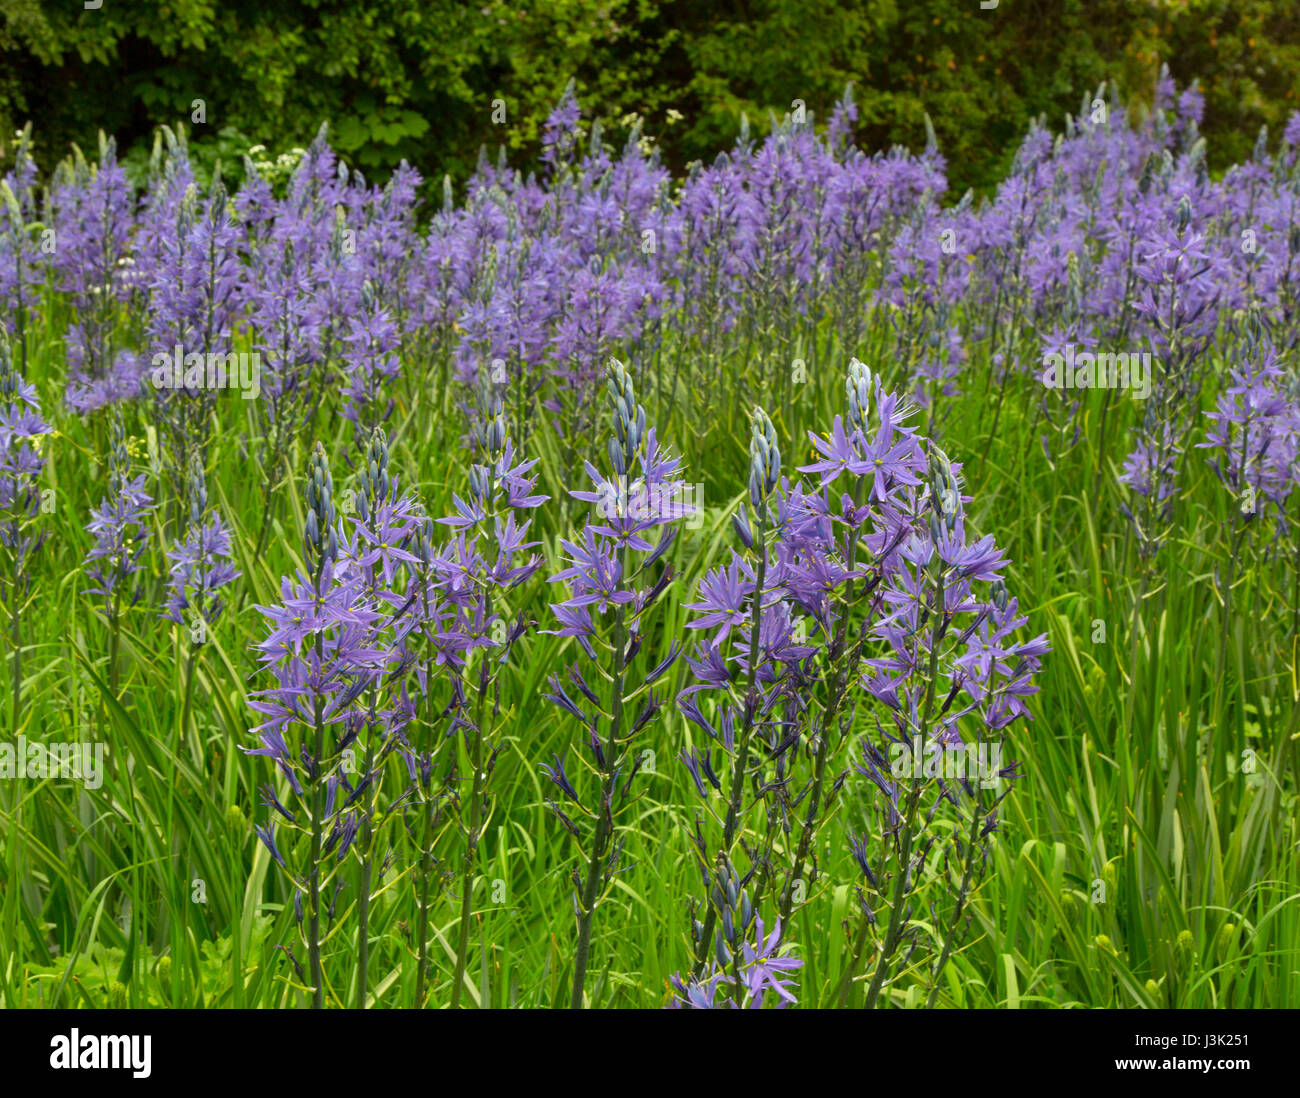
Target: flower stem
[16, 638]
[895, 932]
[317, 809]
[471, 841]
[604, 818]
[426, 845]
[426, 871]
[365, 849]
[736, 795]
[855, 959]
[950, 938]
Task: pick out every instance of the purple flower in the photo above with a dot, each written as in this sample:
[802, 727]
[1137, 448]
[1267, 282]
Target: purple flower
[761, 977]
[93, 213]
[22, 272]
[1254, 436]
[199, 568]
[119, 528]
[608, 577]
[22, 427]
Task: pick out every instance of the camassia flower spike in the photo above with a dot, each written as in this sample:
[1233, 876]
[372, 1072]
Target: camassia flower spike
[609, 576]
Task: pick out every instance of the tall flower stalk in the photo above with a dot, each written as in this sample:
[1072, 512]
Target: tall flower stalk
[200, 568]
[22, 428]
[608, 576]
[316, 649]
[486, 559]
[21, 273]
[378, 552]
[729, 597]
[952, 678]
[120, 540]
[435, 646]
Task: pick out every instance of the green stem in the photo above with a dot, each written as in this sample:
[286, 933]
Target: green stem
[426, 872]
[189, 689]
[894, 934]
[114, 630]
[471, 842]
[735, 796]
[855, 959]
[426, 851]
[317, 809]
[810, 820]
[605, 818]
[16, 637]
[367, 863]
[838, 692]
[968, 868]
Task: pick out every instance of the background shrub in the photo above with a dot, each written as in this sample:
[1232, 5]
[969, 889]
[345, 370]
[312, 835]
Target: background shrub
[415, 79]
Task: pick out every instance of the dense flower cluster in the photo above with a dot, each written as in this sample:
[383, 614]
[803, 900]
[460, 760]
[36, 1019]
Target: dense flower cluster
[877, 589]
[119, 528]
[200, 562]
[1255, 432]
[854, 662]
[22, 427]
[538, 279]
[611, 577]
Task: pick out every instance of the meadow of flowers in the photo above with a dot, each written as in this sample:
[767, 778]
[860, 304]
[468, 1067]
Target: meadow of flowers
[780, 585]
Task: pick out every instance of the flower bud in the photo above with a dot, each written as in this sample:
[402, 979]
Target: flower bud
[857, 385]
[627, 417]
[1224, 940]
[480, 482]
[740, 523]
[319, 540]
[764, 459]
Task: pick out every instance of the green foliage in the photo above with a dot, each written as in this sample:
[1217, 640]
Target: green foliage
[94, 979]
[1201, 899]
[416, 79]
